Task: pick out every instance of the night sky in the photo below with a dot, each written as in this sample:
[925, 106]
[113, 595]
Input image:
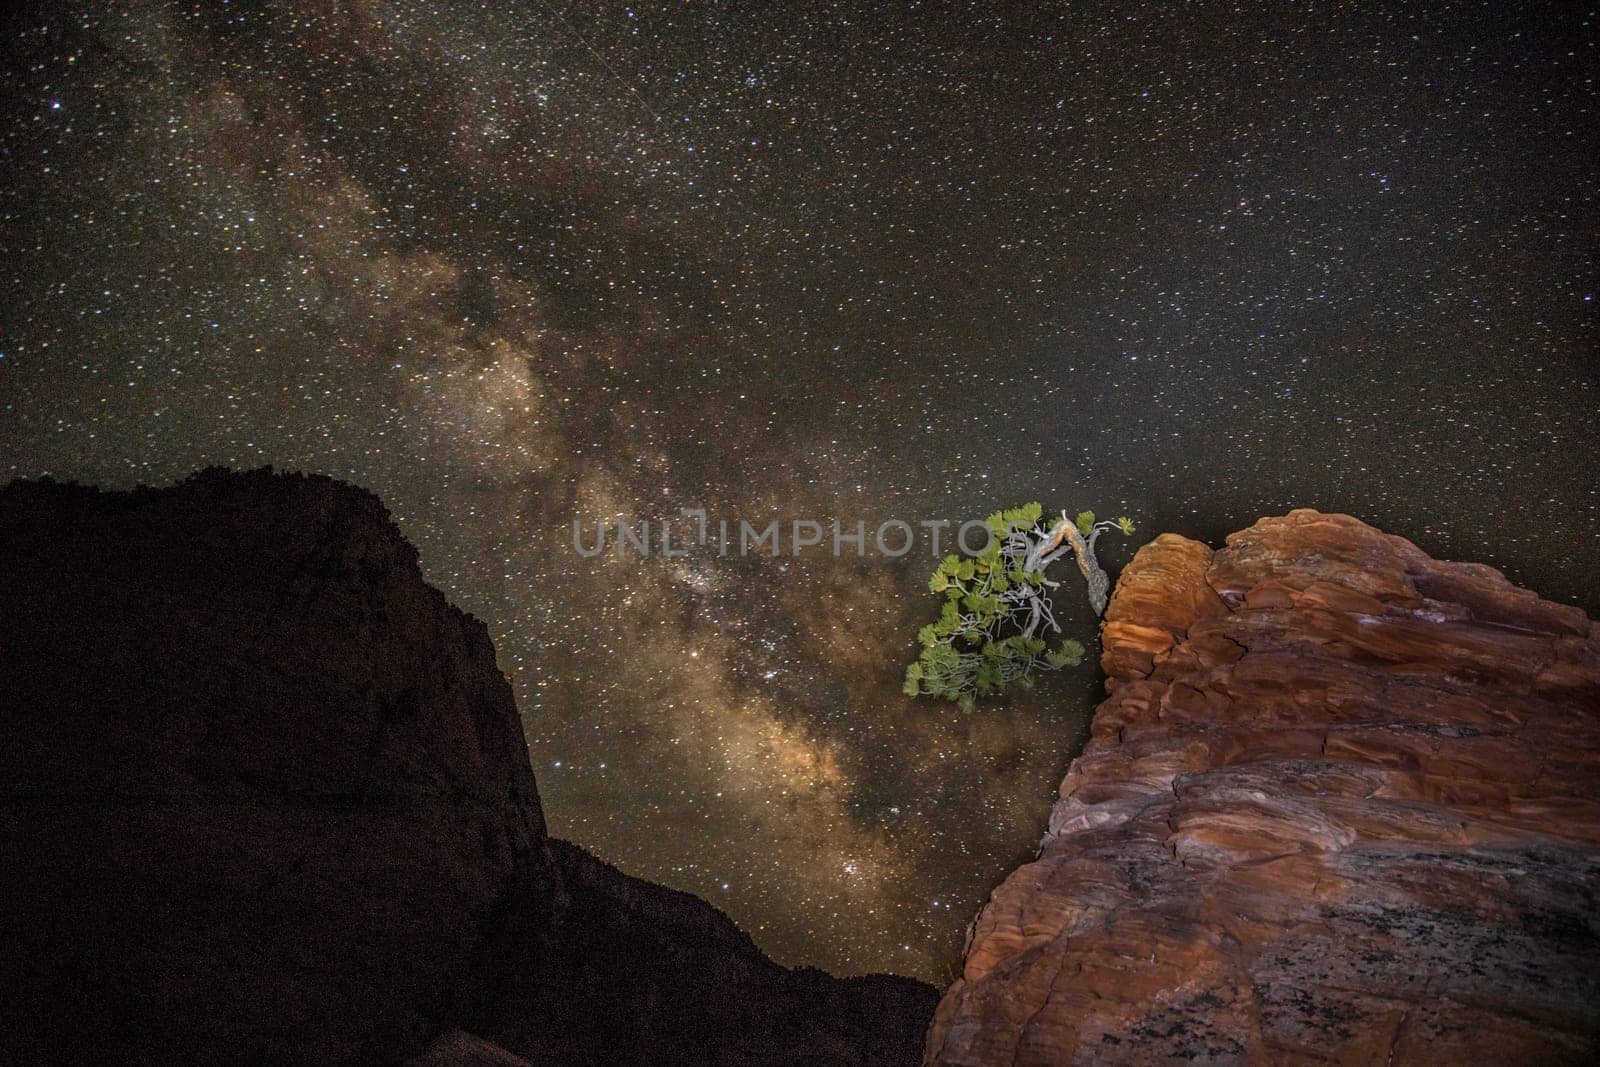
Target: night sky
[512, 264]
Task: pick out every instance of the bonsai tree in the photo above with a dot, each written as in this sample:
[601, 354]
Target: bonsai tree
[992, 626]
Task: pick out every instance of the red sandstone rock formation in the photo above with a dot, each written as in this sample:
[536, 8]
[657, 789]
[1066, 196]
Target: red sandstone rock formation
[265, 798]
[1342, 804]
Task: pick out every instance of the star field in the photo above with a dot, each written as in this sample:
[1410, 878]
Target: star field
[511, 265]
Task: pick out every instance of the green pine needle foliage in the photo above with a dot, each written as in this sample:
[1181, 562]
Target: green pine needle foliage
[986, 640]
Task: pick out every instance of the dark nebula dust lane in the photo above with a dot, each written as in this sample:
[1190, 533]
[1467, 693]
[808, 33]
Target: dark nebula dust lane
[515, 265]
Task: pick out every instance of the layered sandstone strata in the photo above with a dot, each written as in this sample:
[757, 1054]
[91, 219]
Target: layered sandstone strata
[1342, 803]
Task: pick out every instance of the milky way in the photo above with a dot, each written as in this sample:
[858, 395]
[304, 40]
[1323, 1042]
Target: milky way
[511, 265]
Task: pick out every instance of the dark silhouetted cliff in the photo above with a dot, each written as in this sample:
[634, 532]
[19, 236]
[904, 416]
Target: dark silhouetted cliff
[264, 796]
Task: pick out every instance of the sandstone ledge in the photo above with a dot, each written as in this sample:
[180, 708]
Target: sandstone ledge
[1341, 804]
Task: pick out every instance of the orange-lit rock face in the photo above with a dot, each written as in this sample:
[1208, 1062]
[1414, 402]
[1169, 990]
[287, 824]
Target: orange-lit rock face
[1342, 803]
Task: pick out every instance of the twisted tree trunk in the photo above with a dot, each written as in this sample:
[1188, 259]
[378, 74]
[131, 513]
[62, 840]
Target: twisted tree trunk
[1083, 550]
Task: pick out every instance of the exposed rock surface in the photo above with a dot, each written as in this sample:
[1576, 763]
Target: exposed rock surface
[264, 797]
[1341, 804]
